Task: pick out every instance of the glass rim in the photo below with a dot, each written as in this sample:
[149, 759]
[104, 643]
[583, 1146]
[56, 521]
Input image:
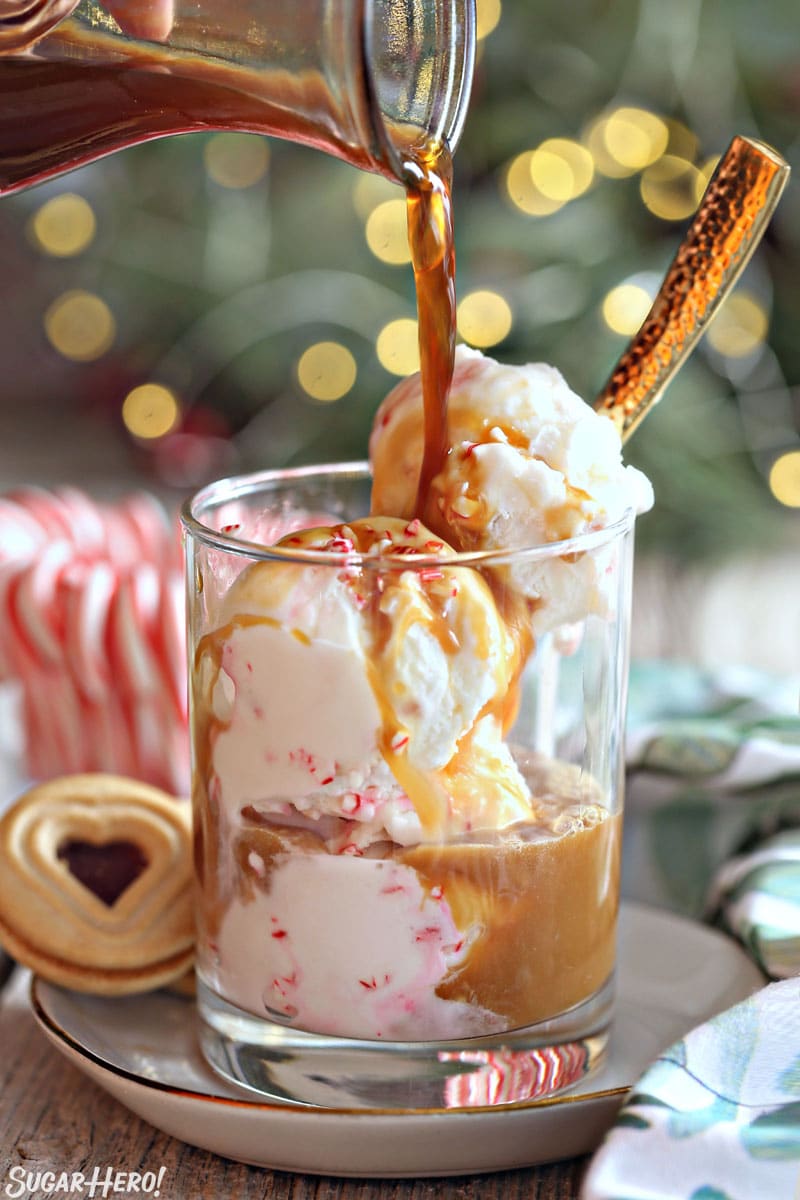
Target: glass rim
[238, 487]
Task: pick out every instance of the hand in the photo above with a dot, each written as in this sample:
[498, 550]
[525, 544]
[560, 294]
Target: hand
[23, 22]
[150, 19]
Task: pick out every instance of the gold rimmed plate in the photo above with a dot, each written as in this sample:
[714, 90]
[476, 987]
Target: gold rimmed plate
[673, 974]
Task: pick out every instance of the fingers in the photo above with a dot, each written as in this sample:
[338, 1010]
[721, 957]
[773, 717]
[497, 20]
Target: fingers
[148, 19]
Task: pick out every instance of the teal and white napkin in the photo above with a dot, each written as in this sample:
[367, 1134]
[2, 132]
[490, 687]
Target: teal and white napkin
[757, 897]
[717, 1116]
[713, 766]
[713, 813]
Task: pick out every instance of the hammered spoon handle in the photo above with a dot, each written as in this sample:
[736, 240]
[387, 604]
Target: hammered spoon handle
[730, 222]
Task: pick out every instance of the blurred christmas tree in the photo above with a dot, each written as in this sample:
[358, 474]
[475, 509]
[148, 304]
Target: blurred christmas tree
[218, 302]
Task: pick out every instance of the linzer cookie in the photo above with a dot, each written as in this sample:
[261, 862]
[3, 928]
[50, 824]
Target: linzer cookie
[95, 884]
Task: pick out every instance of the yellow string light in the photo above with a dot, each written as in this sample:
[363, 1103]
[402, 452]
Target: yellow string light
[326, 371]
[740, 327]
[150, 411]
[386, 232]
[63, 226]
[487, 17]
[80, 325]
[552, 175]
[236, 160]
[784, 479]
[523, 192]
[371, 190]
[682, 142]
[635, 138]
[625, 307]
[626, 140]
[594, 139]
[704, 173]
[561, 169]
[397, 346]
[540, 181]
[669, 188]
[484, 318]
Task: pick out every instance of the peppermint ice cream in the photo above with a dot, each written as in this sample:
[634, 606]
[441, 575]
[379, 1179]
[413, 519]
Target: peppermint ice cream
[421, 663]
[528, 463]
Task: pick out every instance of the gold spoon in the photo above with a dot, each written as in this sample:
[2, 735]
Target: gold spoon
[730, 222]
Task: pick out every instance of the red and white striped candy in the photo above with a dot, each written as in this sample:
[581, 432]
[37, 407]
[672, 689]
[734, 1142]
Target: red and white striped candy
[34, 602]
[87, 591]
[46, 509]
[86, 520]
[21, 535]
[148, 522]
[133, 613]
[92, 628]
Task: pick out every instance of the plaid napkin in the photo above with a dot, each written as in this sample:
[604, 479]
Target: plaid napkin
[713, 812]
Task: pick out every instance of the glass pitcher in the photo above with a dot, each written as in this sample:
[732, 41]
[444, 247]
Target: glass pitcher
[375, 82]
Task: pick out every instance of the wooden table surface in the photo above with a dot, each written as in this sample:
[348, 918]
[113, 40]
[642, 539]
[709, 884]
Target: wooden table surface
[52, 1118]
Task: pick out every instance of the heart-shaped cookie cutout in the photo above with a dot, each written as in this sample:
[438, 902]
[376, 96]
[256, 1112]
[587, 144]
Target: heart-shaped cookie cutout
[96, 883]
[107, 870]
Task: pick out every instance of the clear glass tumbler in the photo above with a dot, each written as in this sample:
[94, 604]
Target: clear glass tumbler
[408, 798]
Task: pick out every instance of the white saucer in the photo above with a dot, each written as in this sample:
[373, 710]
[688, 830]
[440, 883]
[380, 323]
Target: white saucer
[673, 975]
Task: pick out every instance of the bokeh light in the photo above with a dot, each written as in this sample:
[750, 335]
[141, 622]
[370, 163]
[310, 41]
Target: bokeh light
[64, 225]
[371, 190]
[704, 173]
[561, 169]
[635, 138]
[236, 160]
[625, 307]
[386, 232]
[150, 411]
[784, 479]
[80, 325]
[326, 371]
[487, 17]
[523, 192]
[669, 188]
[397, 346]
[626, 140]
[540, 181]
[740, 327]
[484, 318]
[683, 142]
[594, 139]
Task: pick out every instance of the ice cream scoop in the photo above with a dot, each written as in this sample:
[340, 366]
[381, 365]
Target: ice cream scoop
[421, 662]
[528, 463]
